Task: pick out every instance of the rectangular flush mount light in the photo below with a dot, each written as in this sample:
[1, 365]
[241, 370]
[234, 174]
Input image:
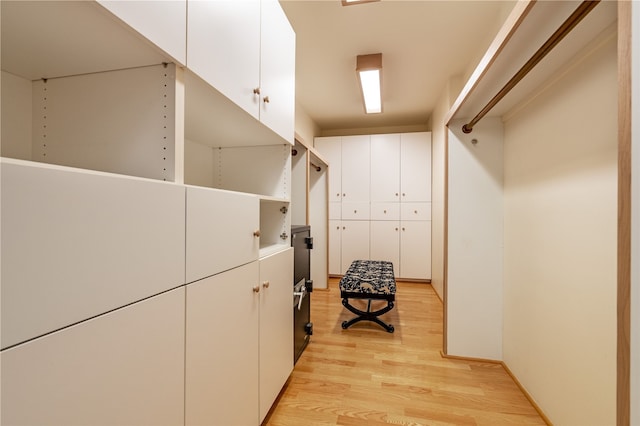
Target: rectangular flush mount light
[369, 70]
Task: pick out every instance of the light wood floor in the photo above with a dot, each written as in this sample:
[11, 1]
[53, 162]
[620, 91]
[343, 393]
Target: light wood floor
[366, 376]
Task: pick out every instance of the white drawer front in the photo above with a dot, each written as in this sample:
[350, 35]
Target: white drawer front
[415, 211]
[385, 211]
[355, 211]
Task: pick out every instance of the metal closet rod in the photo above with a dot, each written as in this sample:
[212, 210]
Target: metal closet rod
[568, 25]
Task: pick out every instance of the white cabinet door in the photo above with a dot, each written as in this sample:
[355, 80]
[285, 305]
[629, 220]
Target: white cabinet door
[222, 349]
[355, 168]
[78, 244]
[277, 70]
[385, 167]
[355, 242]
[331, 150]
[224, 48]
[221, 228]
[335, 247]
[122, 368]
[276, 326]
[415, 249]
[415, 166]
[162, 22]
[385, 242]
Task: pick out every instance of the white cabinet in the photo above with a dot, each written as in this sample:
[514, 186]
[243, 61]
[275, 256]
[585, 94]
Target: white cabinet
[222, 344]
[415, 249]
[383, 180]
[239, 349]
[354, 242]
[355, 169]
[331, 149]
[122, 368]
[276, 326]
[162, 22]
[385, 242]
[78, 244]
[415, 166]
[256, 44]
[222, 231]
[385, 168]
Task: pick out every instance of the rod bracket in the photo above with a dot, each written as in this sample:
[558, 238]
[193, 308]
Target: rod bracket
[467, 129]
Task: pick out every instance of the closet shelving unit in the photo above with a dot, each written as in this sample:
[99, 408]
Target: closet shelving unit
[122, 152]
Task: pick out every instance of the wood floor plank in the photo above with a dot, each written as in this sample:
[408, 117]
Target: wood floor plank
[367, 376]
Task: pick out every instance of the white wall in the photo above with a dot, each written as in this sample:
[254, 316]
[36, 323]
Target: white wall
[474, 269]
[560, 242]
[305, 128]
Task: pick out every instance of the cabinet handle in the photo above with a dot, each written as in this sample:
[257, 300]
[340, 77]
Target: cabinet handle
[385, 212]
[355, 211]
[403, 194]
[415, 211]
[344, 227]
[337, 227]
[396, 228]
[338, 194]
[344, 195]
[256, 233]
[396, 194]
[266, 99]
[403, 228]
[256, 91]
[265, 284]
[256, 289]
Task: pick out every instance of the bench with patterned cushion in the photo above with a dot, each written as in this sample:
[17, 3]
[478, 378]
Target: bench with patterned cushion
[370, 280]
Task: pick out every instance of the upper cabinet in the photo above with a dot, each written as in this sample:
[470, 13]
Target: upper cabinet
[162, 22]
[246, 50]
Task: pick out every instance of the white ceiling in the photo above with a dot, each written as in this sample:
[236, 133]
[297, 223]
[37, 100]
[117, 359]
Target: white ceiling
[423, 44]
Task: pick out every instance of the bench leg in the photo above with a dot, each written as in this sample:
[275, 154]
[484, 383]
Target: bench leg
[368, 315]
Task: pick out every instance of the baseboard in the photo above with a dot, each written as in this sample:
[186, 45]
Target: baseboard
[510, 373]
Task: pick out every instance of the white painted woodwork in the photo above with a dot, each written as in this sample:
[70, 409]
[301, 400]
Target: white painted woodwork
[47, 39]
[355, 242]
[385, 242]
[331, 149]
[277, 70]
[355, 211]
[222, 344]
[276, 326]
[355, 168]
[275, 226]
[16, 116]
[162, 22]
[415, 211]
[475, 243]
[385, 168]
[299, 185]
[396, 164]
[335, 210]
[335, 247]
[415, 166]
[226, 32]
[125, 367]
[220, 231]
[415, 249]
[77, 244]
[385, 211]
[199, 164]
[93, 121]
[263, 170]
[319, 221]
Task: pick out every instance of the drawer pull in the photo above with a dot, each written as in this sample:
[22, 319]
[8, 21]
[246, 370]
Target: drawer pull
[265, 284]
[256, 289]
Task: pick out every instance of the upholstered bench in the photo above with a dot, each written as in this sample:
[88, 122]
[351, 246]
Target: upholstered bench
[370, 280]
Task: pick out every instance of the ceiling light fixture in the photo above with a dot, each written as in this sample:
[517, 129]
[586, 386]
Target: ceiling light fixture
[369, 70]
[350, 2]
